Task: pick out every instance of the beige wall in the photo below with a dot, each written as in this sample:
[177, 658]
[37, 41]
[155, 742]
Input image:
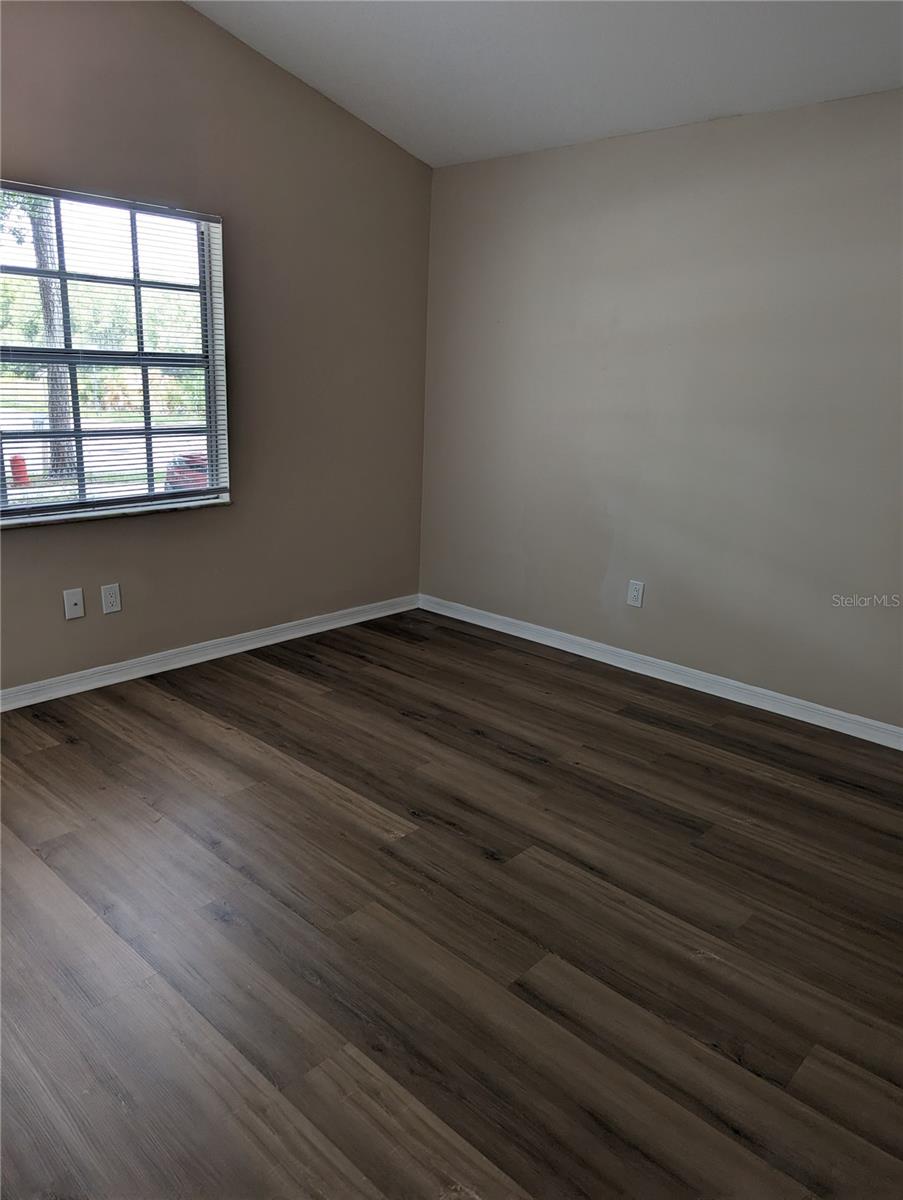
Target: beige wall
[675, 357]
[672, 357]
[325, 230]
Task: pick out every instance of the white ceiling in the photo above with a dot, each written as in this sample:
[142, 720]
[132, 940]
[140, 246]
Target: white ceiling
[455, 80]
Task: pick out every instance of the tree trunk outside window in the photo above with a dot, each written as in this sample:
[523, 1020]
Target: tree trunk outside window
[62, 451]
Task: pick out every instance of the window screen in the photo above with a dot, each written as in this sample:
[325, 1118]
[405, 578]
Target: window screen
[112, 368]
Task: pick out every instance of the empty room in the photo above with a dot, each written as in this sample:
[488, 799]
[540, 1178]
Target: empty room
[451, 493]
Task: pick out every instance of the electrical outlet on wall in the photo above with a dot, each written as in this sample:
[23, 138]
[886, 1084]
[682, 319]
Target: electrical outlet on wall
[110, 599]
[635, 590]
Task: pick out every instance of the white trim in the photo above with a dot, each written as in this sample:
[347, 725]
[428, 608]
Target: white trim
[10, 521]
[657, 668]
[700, 681]
[183, 656]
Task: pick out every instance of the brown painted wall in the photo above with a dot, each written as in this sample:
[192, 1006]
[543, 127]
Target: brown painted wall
[675, 357]
[325, 228]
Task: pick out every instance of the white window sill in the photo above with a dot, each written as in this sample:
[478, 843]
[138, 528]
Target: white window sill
[10, 521]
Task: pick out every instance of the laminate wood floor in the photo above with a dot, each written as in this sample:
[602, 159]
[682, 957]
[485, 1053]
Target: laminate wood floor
[417, 911]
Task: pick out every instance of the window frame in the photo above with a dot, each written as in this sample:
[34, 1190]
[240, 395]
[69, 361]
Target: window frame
[211, 358]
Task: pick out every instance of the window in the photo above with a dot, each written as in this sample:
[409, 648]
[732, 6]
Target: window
[112, 367]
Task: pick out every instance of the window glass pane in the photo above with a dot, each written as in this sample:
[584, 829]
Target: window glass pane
[110, 397]
[180, 462]
[84, 416]
[172, 321]
[96, 240]
[115, 466]
[40, 471]
[27, 230]
[34, 397]
[167, 249]
[177, 395]
[102, 316]
[30, 311]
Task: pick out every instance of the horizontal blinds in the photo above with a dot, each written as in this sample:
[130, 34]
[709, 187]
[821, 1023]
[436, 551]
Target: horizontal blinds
[112, 364]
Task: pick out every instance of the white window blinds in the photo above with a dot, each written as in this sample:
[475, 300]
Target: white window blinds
[112, 364]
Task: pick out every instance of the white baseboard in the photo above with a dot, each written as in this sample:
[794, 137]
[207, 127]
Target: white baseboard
[700, 681]
[184, 656]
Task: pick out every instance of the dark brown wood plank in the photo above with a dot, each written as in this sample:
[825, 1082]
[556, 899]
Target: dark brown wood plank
[417, 910]
[818, 1152]
[552, 1152]
[706, 983]
[140, 1098]
[400, 1143]
[661, 1147]
[61, 938]
[853, 1097]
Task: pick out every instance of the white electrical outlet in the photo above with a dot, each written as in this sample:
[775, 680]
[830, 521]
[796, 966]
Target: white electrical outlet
[73, 603]
[635, 590]
[110, 600]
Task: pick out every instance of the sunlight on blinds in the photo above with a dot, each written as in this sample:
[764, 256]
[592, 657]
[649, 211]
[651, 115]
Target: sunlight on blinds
[112, 363]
